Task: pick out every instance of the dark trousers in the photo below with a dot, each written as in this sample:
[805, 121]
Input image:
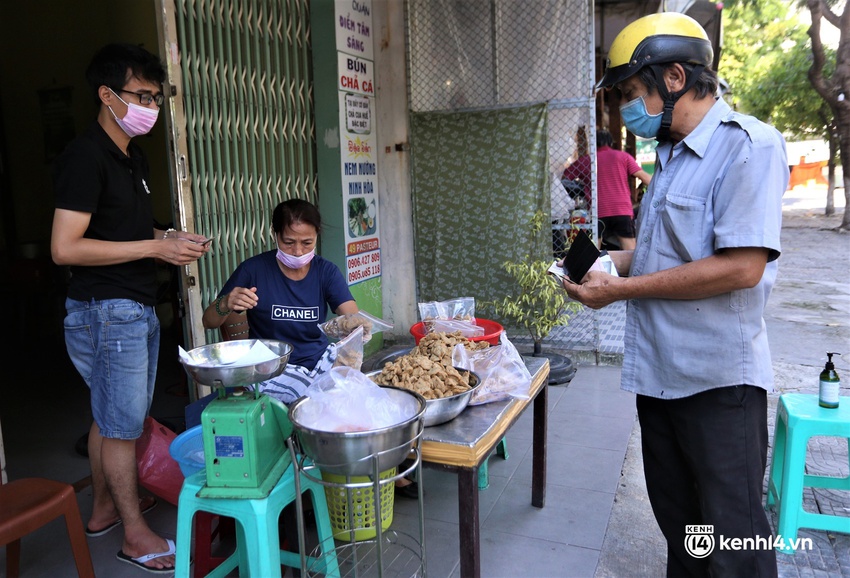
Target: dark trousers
[704, 458]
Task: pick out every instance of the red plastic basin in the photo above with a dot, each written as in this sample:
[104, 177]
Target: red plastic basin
[492, 331]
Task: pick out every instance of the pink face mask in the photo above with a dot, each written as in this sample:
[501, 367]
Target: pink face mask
[138, 120]
[294, 262]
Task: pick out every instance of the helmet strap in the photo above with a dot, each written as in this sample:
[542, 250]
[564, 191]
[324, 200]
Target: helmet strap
[670, 99]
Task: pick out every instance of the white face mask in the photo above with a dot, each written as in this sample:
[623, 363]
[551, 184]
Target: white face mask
[138, 120]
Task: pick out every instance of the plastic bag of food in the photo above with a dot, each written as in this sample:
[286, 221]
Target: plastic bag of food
[502, 371]
[345, 400]
[459, 309]
[466, 328]
[349, 350]
[342, 326]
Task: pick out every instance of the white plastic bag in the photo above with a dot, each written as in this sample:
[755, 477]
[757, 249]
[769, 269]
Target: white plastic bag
[502, 371]
[345, 400]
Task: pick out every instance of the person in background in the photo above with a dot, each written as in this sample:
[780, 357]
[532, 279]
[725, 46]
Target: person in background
[696, 284]
[286, 293]
[614, 200]
[103, 228]
[576, 177]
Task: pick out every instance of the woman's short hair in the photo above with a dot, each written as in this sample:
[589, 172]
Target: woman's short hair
[295, 211]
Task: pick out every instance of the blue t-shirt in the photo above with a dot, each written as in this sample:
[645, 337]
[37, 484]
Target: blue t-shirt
[290, 310]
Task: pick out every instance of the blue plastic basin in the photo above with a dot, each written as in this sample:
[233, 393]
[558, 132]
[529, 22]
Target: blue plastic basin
[188, 450]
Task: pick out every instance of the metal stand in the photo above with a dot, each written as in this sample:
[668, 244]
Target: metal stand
[389, 553]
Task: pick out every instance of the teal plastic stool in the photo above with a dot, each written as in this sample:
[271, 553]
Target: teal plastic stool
[483, 470]
[798, 418]
[258, 550]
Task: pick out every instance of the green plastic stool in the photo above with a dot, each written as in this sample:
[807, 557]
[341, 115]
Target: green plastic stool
[483, 470]
[798, 418]
[258, 550]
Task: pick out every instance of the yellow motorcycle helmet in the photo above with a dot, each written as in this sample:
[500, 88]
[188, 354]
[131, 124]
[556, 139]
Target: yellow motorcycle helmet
[656, 39]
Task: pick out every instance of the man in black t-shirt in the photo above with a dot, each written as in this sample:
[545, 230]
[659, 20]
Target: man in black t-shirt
[103, 228]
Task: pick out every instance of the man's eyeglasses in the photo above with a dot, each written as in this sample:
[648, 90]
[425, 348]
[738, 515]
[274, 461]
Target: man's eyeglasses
[146, 98]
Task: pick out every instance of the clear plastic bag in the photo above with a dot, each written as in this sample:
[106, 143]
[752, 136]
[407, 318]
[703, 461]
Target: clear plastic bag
[461, 309]
[466, 328]
[349, 350]
[502, 371]
[342, 326]
[345, 400]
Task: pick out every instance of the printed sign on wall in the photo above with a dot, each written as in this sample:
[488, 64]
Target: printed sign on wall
[358, 158]
[355, 74]
[354, 27]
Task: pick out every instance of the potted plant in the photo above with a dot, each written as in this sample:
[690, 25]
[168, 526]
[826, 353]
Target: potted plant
[539, 305]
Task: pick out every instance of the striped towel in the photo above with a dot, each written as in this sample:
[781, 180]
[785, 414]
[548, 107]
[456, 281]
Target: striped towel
[295, 379]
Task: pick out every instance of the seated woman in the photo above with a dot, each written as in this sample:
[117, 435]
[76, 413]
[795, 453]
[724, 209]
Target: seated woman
[286, 294]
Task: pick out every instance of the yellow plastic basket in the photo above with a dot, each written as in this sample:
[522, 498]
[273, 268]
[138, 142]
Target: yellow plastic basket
[363, 506]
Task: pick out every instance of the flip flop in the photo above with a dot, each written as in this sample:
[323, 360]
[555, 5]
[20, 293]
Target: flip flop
[116, 523]
[140, 561]
[410, 491]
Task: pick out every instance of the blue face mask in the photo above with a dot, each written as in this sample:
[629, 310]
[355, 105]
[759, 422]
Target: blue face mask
[638, 120]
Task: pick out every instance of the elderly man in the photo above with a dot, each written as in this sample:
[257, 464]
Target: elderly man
[696, 350]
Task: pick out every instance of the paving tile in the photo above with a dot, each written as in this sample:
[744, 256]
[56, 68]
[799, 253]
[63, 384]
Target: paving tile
[533, 557]
[571, 516]
[602, 432]
[599, 402]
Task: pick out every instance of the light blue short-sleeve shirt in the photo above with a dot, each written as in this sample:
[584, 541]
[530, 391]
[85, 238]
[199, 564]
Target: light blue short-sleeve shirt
[721, 188]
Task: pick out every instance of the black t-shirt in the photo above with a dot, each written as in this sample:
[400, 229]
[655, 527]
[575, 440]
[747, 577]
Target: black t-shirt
[93, 176]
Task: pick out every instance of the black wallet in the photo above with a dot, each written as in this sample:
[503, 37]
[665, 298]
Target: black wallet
[580, 257]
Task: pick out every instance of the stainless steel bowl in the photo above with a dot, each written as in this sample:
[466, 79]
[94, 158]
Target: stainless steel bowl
[350, 453]
[210, 365]
[445, 409]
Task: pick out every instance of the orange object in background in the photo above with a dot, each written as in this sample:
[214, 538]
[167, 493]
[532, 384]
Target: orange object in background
[804, 172]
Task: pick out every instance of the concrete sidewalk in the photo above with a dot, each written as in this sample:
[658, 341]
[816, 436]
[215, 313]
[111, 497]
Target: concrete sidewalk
[808, 314]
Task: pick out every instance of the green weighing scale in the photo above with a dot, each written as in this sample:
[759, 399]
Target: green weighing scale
[244, 431]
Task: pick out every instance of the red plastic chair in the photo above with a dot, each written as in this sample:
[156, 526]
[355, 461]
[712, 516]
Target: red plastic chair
[29, 504]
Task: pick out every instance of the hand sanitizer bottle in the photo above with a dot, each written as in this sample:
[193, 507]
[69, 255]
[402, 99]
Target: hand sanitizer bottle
[829, 384]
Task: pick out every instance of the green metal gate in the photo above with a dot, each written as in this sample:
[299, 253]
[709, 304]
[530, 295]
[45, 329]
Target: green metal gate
[247, 107]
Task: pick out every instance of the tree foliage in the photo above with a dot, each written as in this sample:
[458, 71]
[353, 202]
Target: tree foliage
[767, 54]
[766, 58]
[539, 303]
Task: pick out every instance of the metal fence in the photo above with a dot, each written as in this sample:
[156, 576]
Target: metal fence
[487, 54]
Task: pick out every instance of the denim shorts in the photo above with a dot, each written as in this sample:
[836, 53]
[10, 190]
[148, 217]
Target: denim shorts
[114, 344]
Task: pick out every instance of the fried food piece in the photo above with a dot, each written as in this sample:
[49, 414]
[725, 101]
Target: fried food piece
[349, 358]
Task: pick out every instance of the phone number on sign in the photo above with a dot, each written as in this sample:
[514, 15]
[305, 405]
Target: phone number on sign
[363, 266]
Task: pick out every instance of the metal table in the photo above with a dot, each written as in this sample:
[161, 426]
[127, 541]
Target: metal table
[462, 445]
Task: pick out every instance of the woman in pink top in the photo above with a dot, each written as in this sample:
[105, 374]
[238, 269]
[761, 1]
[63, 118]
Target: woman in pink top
[614, 193]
